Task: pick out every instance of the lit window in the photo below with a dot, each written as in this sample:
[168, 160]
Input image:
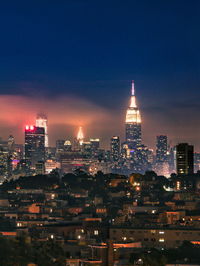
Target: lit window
[161, 232]
[161, 240]
[96, 232]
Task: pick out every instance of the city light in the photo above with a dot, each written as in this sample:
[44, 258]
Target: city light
[99, 144]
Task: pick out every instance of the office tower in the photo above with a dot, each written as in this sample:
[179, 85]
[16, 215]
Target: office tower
[34, 145]
[40, 168]
[172, 159]
[87, 148]
[133, 122]
[60, 145]
[139, 159]
[196, 161]
[41, 121]
[161, 148]
[67, 145]
[184, 159]
[95, 143]
[115, 148]
[4, 156]
[11, 144]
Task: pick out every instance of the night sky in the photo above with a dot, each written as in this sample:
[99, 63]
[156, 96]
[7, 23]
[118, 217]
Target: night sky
[75, 60]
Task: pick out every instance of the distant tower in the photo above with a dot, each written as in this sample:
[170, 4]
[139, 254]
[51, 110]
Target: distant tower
[11, 143]
[161, 148]
[80, 136]
[184, 159]
[60, 145]
[34, 145]
[95, 144]
[41, 121]
[133, 122]
[67, 145]
[115, 148]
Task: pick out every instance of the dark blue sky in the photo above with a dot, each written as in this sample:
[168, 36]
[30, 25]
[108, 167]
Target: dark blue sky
[93, 49]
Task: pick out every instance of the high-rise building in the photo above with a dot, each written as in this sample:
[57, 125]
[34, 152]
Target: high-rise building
[95, 144]
[11, 143]
[196, 161]
[133, 122]
[40, 168]
[172, 159]
[184, 159]
[161, 148]
[67, 145]
[34, 145]
[80, 136]
[60, 145]
[41, 121]
[115, 148]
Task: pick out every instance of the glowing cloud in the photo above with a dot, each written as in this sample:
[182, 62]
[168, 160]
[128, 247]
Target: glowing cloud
[19, 111]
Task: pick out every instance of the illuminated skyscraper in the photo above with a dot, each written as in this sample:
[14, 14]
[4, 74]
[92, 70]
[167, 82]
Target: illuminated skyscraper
[161, 148]
[184, 159]
[133, 122]
[95, 144]
[67, 145]
[115, 148]
[34, 145]
[41, 121]
[80, 136]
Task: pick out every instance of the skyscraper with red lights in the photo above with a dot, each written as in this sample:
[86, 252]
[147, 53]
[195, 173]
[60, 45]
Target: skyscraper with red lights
[34, 145]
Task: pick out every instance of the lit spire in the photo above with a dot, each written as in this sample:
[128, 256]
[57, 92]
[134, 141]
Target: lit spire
[133, 113]
[80, 135]
[133, 99]
[133, 89]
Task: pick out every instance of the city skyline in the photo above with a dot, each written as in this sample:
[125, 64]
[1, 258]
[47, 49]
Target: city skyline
[71, 123]
[72, 64]
[88, 121]
[99, 133]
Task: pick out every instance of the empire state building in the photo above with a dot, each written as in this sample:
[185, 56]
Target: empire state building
[133, 122]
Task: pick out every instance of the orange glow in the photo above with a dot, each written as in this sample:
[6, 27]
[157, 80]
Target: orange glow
[92, 219]
[8, 233]
[137, 188]
[195, 242]
[121, 245]
[64, 113]
[34, 208]
[80, 136]
[128, 245]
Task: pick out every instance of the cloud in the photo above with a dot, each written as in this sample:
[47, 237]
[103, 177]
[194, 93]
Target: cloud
[178, 119]
[67, 113]
[63, 112]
